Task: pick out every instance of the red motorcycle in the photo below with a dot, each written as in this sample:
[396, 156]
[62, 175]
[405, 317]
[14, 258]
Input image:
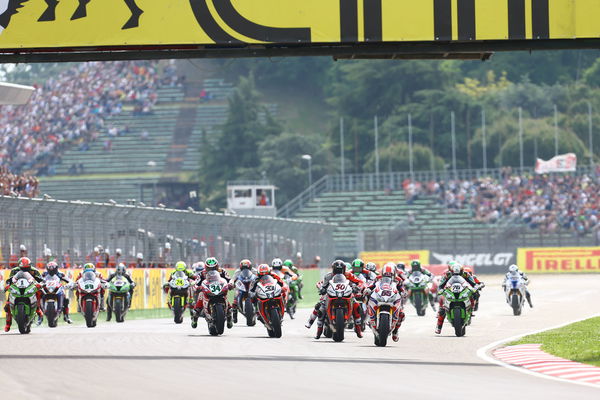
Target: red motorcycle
[339, 307]
[89, 287]
[271, 304]
[216, 306]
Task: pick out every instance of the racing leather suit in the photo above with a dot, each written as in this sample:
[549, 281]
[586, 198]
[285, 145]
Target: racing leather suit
[319, 310]
[199, 306]
[403, 294]
[191, 276]
[470, 280]
[131, 288]
[38, 278]
[63, 299]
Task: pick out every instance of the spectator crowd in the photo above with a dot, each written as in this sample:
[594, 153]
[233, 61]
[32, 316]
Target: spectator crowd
[70, 110]
[13, 184]
[549, 203]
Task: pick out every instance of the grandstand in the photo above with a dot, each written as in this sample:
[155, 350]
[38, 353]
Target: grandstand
[373, 217]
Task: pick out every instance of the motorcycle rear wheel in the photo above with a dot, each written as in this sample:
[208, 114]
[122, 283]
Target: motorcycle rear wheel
[275, 323]
[383, 329]
[338, 335]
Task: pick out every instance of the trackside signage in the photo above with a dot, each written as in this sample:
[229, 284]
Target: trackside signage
[559, 260]
[52, 25]
[481, 260]
[382, 257]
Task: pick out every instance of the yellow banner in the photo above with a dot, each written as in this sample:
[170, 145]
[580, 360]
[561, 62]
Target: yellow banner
[35, 24]
[559, 260]
[405, 256]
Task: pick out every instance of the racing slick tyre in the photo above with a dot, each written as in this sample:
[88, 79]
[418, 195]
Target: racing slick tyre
[219, 318]
[459, 330]
[338, 335]
[21, 318]
[249, 312]
[516, 305]
[177, 310]
[276, 323]
[118, 310]
[89, 314]
[383, 329]
[419, 305]
[51, 315]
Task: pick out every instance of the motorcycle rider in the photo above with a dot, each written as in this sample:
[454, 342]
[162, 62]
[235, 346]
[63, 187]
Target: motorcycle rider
[514, 269]
[372, 267]
[262, 271]
[359, 270]
[86, 268]
[245, 264]
[279, 269]
[337, 267]
[180, 266]
[120, 271]
[24, 265]
[199, 269]
[52, 270]
[415, 266]
[401, 270]
[457, 270]
[389, 271]
[211, 264]
[288, 263]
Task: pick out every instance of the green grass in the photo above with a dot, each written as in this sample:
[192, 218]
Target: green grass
[310, 294]
[578, 342]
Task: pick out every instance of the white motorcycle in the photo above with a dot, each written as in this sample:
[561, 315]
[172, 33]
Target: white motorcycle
[385, 303]
[514, 288]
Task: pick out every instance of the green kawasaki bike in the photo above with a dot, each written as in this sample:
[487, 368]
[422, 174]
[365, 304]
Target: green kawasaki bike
[457, 303]
[23, 301]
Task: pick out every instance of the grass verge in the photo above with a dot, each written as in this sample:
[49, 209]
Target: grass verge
[578, 342]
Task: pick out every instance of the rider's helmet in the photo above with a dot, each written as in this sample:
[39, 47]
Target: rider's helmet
[245, 264]
[121, 269]
[288, 263]
[118, 252]
[457, 269]
[513, 268]
[371, 266]
[52, 267]
[450, 265]
[199, 267]
[277, 263]
[24, 263]
[358, 266]
[401, 266]
[211, 264]
[389, 270]
[89, 267]
[348, 267]
[263, 269]
[338, 267]
[180, 266]
[468, 270]
[415, 265]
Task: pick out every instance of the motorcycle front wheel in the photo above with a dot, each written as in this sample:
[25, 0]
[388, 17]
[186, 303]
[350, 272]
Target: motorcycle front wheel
[119, 310]
[21, 318]
[219, 318]
[51, 315]
[338, 335]
[383, 330]
[459, 329]
[275, 323]
[89, 314]
[177, 309]
[516, 304]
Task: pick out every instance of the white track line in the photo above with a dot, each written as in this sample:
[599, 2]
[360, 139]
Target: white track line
[483, 354]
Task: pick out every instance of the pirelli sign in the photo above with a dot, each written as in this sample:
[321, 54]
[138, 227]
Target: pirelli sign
[559, 259]
[48, 26]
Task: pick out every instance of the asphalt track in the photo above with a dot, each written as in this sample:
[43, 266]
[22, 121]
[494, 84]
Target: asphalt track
[156, 359]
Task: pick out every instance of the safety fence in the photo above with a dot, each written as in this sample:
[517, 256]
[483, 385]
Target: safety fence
[70, 230]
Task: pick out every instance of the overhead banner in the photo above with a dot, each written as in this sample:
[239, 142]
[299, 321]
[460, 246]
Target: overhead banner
[561, 163]
[559, 260]
[405, 256]
[51, 24]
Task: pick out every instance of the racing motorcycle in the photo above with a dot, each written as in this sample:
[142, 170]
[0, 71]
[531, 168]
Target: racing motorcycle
[384, 305]
[244, 304]
[417, 284]
[457, 303]
[119, 298]
[271, 306]
[215, 289]
[514, 287]
[292, 302]
[179, 286]
[88, 288]
[52, 293]
[23, 301]
[338, 307]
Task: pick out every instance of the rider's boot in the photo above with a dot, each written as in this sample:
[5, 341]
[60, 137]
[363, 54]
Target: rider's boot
[8, 318]
[194, 319]
[66, 316]
[432, 302]
[40, 315]
[358, 330]
[395, 336]
[319, 332]
[229, 320]
[528, 297]
[102, 307]
[440, 321]
[312, 318]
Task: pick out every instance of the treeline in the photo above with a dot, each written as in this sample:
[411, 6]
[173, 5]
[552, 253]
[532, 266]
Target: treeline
[391, 90]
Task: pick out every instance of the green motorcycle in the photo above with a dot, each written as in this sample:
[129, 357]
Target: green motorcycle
[292, 302]
[119, 299]
[23, 300]
[457, 303]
